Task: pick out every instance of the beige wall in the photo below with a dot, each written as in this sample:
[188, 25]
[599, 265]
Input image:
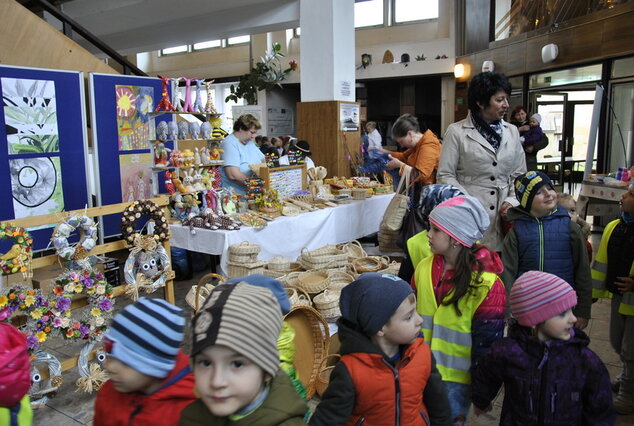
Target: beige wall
[26, 40]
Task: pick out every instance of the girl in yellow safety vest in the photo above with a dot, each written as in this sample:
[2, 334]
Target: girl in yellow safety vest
[460, 295]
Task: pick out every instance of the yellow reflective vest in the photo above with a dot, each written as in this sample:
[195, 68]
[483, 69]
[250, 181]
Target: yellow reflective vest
[448, 334]
[418, 247]
[600, 269]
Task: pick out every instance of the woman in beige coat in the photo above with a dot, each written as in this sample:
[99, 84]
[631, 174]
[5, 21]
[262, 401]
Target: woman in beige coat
[482, 155]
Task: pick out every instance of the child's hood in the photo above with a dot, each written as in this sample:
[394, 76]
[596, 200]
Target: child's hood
[490, 259]
[533, 346]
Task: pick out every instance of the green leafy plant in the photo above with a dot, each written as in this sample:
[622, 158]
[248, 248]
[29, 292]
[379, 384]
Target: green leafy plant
[267, 74]
[421, 57]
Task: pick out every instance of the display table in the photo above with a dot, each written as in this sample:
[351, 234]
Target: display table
[597, 199]
[288, 235]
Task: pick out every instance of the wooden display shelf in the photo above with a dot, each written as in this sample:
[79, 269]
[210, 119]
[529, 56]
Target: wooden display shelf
[206, 114]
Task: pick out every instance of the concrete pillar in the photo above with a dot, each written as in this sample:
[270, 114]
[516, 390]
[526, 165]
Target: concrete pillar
[327, 50]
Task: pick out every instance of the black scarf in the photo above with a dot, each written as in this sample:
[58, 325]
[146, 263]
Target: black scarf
[492, 132]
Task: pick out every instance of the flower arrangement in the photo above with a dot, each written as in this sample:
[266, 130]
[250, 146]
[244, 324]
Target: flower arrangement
[18, 258]
[268, 199]
[53, 314]
[267, 74]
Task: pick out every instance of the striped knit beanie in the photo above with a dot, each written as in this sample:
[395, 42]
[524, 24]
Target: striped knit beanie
[462, 217]
[244, 318]
[527, 185]
[538, 296]
[146, 336]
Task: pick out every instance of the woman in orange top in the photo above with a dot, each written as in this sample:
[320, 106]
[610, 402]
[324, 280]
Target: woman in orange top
[422, 149]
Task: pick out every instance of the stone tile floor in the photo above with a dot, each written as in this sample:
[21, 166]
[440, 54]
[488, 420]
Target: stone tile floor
[70, 407]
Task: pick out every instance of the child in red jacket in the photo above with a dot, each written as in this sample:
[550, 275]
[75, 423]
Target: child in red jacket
[150, 378]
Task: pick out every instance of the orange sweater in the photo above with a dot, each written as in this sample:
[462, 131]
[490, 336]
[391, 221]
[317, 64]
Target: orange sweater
[424, 157]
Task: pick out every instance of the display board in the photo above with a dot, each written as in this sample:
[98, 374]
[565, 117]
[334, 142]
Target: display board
[286, 180]
[122, 130]
[43, 145]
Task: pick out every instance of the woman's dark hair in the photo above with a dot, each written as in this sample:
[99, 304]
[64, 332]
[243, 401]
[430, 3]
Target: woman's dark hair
[462, 279]
[246, 122]
[485, 85]
[405, 123]
[517, 109]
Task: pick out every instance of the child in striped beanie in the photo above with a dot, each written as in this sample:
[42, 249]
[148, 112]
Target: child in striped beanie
[151, 381]
[550, 375]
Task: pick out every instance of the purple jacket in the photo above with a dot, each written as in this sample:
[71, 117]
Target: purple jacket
[558, 383]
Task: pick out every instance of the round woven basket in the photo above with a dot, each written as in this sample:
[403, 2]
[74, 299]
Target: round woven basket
[279, 263]
[297, 296]
[244, 248]
[327, 303]
[312, 340]
[354, 250]
[313, 282]
[367, 264]
[338, 280]
[290, 279]
[325, 257]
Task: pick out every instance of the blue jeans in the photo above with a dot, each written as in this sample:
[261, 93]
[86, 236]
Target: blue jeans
[459, 396]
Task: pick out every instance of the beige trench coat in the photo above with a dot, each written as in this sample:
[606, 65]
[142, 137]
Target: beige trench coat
[468, 162]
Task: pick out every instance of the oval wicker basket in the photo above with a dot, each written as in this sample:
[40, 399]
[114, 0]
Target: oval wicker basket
[242, 258]
[367, 264]
[323, 373]
[313, 282]
[243, 248]
[198, 293]
[290, 278]
[338, 280]
[279, 263]
[325, 257]
[354, 250]
[312, 340]
[327, 303]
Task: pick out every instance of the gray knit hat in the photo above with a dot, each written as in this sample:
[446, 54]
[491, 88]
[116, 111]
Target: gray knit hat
[244, 318]
[462, 217]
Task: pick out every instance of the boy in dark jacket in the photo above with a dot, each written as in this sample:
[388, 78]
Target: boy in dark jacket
[236, 361]
[387, 374]
[550, 375]
[150, 379]
[544, 238]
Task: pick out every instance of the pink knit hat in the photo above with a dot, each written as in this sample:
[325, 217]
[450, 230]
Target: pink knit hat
[538, 296]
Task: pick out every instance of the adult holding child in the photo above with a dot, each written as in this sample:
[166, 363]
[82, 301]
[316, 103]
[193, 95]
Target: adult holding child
[482, 155]
[240, 151]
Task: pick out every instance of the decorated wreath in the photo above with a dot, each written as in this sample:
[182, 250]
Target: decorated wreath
[87, 237]
[18, 258]
[53, 314]
[147, 267]
[143, 208]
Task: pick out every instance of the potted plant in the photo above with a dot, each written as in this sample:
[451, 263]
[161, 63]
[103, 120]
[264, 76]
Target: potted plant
[267, 74]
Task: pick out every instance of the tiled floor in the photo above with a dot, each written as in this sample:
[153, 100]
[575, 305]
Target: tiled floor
[70, 407]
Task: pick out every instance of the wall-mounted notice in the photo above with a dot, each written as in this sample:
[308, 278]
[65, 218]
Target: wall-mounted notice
[280, 121]
[286, 180]
[349, 117]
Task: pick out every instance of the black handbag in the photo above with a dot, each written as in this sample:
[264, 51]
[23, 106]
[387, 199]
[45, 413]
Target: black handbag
[412, 221]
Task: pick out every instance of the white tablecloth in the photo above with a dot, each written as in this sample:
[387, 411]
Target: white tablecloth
[288, 235]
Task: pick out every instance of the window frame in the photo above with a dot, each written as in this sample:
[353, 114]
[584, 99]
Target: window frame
[195, 49]
[392, 7]
[382, 24]
[188, 49]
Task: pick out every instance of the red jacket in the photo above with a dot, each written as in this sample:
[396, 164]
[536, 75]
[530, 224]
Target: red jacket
[163, 407]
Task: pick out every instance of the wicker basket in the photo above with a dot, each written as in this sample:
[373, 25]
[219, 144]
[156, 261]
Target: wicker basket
[387, 241]
[359, 193]
[313, 282]
[338, 280]
[312, 340]
[294, 267]
[290, 278]
[327, 303]
[325, 257]
[198, 293]
[279, 263]
[354, 250]
[393, 268]
[367, 264]
[244, 269]
[244, 248]
[243, 258]
[297, 296]
[326, 366]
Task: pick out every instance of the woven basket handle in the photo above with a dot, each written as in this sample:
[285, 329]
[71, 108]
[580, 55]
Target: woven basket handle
[322, 366]
[358, 244]
[201, 283]
[300, 292]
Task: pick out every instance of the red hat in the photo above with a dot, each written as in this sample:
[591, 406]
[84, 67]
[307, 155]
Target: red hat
[14, 366]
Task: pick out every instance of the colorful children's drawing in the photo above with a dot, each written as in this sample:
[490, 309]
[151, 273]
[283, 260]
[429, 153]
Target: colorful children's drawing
[30, 113]
[136, 170]
[134, 104]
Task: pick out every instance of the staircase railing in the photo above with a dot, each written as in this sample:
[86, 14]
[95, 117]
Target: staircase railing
[69, 26]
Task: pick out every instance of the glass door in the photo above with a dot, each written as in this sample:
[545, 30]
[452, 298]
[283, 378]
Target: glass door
[621, 139]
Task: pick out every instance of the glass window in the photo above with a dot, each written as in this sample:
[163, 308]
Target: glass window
[368, 13]
[176, 49]
[239, 39]
[415, 10]
[564, 77]
[207, 44]
[623, 67]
